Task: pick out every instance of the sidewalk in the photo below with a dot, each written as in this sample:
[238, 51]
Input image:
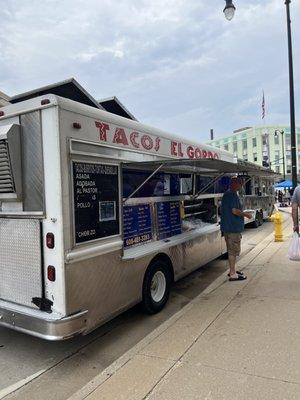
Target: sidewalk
[236, 341]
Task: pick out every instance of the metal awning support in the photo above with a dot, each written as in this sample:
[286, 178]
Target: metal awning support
[144, 182]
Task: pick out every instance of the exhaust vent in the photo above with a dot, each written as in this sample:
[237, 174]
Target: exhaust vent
[10, 163]
[6, 178]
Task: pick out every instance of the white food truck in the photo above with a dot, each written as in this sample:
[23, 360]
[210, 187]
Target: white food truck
[99, 212]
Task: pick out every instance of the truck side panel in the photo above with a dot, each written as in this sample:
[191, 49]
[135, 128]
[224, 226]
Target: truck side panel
[53, 223]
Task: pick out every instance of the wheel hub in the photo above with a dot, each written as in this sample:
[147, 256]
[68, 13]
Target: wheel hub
[158, 286]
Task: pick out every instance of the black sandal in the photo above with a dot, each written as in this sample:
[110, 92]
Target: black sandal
[239, 278]
[238, 272]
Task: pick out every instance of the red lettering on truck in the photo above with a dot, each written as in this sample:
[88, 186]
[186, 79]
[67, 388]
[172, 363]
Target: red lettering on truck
[133, 137]
[157, 144]
[147, 142]
[198, 153]
[174, 148]
[103, 128]
[190, 152]
[120, 137]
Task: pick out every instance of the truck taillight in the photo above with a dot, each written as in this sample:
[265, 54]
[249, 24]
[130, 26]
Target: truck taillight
[50, 240]
[51, 273]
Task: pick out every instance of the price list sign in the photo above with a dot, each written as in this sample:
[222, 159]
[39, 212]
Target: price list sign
[96, 201]
[137, 224]
[168, 219]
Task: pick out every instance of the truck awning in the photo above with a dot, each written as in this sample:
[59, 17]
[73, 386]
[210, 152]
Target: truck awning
[206, 166]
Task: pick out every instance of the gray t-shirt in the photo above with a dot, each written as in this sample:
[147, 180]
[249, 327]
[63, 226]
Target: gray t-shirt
[296, 196]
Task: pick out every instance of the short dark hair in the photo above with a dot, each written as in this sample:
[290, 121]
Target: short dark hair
[238, 179]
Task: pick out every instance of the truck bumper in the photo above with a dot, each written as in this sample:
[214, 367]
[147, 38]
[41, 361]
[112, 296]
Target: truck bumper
[40, 324]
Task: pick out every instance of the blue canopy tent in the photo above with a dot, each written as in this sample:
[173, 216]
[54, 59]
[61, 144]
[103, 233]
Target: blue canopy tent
[284, 184]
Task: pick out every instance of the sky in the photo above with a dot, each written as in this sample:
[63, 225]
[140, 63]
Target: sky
[177, 65]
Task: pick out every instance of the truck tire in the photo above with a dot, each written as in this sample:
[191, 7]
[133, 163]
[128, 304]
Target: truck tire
[156, 287]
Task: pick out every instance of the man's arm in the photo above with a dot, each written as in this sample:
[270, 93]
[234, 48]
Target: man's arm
[295, 217]
[240, 213]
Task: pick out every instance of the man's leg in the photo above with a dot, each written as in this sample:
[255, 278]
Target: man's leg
[231, 255]
[233, 242]
[232, 262]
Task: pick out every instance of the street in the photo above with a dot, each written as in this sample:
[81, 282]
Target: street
[31, 368]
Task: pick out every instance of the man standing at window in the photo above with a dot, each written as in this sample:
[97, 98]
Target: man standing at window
[232, 225]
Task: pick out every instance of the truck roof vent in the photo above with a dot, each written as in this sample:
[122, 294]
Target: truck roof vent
[6, 178]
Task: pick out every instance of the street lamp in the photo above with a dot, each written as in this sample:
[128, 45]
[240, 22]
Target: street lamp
[229, 13]
[282, 142]
[229, 10]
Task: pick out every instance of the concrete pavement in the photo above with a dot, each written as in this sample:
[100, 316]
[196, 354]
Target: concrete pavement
[237, 340]
[29, 366]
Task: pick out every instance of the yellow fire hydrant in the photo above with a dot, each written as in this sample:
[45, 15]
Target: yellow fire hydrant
[277, 219]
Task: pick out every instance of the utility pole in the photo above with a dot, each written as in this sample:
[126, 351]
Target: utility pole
[292, 97]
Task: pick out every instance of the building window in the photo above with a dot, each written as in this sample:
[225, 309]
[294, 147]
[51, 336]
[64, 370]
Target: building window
[277, 157]
[245, 157]
[288, 171]
[277, 169]
[234, 147]
[276, 139]
[254, 156]
[254, 143]
[264, 140]
[244, 143]
[226, 147]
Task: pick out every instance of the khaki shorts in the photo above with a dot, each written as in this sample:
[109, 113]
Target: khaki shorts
[233, 243]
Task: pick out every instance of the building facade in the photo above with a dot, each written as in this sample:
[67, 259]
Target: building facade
[269, 146]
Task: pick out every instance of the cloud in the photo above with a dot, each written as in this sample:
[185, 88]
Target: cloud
[177, 65]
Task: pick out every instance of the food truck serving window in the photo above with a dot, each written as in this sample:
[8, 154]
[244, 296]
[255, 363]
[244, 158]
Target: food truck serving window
[219, 186]
[161, 184]
[96, 201]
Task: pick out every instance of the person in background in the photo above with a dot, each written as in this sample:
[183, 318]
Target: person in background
[295, 206]
[280, 196]
[288, 197]
[232, 226]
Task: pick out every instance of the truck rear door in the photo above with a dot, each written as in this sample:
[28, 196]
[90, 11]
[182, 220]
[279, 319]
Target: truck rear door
[20, 230]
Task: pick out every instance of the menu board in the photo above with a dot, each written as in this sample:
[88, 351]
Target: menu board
[137, 224]
[96, 201]
[168, 219]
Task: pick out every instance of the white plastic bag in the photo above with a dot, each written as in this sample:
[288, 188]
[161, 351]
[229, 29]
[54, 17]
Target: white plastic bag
[294, 249]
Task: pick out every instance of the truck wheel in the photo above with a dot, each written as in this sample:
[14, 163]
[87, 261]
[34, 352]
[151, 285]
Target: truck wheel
[156, 287]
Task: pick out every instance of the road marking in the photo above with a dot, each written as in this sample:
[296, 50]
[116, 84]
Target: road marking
[10, 389]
